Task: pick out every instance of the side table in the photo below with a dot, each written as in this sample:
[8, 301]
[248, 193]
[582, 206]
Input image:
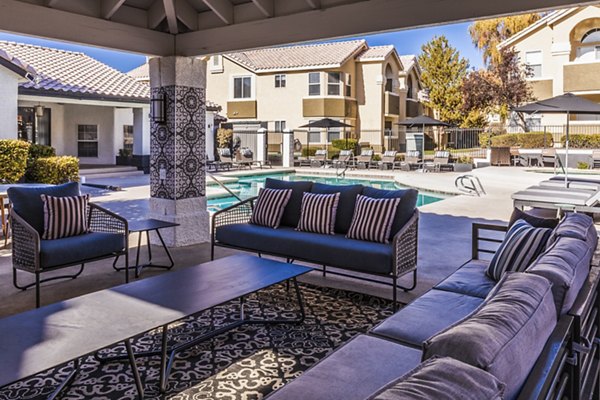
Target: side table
[146, 226]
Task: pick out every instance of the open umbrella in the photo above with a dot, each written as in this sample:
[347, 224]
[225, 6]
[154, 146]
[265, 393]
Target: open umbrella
[328, 123]
[567, 103]
[422, 121]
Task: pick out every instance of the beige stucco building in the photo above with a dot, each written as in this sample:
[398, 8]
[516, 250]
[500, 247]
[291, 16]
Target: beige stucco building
[563, 51]
[369, 88]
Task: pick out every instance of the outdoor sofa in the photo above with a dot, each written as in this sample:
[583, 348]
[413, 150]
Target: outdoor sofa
[230, 228]
[532, 335]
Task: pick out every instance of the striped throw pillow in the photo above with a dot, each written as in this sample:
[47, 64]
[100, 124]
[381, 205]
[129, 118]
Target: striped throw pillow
[521, 246]
[317, 213]
[373, 219]
[64, 216]
[269, 207]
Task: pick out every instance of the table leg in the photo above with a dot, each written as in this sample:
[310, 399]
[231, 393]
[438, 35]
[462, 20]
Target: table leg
[137, 256]
[139, 267]
[134, 369]
[64, 385]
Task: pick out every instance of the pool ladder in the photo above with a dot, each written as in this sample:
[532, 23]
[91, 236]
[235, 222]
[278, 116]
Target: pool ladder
[218, 182]
[470, 184]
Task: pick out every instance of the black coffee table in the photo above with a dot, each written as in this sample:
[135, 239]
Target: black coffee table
[56, 334]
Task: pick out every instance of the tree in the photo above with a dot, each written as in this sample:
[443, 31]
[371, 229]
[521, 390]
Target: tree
[443, 70]
[500, 88]
[487, 34]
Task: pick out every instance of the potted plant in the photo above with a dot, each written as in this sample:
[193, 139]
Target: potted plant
[463, 164]
[125, 157]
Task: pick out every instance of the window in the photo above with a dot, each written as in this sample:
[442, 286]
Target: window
[314, 84]
[409, 88]
[348, 85]
[87, 140]
[279, 126]
[389, 84]
[242, 87]
[216, 64]
[279, 81]
[333, 84]
[128, 138]
[333, 134]
[314, 134]
[534, 60]
[591, 36]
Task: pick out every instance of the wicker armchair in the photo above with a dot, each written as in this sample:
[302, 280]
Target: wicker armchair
[107, 238]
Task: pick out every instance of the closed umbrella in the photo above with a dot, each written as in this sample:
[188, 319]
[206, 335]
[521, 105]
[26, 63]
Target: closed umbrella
[423, 121]
[567, 103]
[328, 123]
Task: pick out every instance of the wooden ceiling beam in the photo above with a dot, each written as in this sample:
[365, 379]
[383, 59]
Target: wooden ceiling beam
[223, 9]
[110, 7]
[171, 16]
[314, 4]
[156, 14]
[187, 14]
[265, 7]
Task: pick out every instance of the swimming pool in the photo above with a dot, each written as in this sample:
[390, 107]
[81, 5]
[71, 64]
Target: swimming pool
[248, 186]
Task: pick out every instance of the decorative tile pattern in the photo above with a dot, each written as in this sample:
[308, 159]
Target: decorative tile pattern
[178, 146]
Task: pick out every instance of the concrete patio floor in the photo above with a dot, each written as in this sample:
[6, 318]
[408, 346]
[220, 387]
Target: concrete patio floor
[444, 237]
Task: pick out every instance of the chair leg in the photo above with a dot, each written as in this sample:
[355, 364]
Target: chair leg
[324, 270]
[127, 265]
[394, 294]
[37, 290]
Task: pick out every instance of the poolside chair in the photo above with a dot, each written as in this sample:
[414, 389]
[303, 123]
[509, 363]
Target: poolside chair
[594, 160]
[345, 159]
[412, 160]
[572, 184]
[320, 158]
[388, 159]
[549, 158]
[247, 157]
[365, 159]
[440, 159]
[225, 156]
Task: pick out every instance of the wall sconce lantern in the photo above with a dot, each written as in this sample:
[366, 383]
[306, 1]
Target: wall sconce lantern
[158, 110]
[39, 111]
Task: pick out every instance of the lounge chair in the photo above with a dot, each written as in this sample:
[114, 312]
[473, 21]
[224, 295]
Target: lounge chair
[440, 159]
[571, 184]
[246, 156]
[549, 158]
[580, 200]
[345, 159]
[225, 156]
[594, 160]
[365, 159]
[412, 160]
[389, 159]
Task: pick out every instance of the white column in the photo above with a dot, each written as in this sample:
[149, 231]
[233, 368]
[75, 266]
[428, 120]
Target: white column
[288, 148]
[141, 131]
[9, 86]
[261, 145]
[210, 135]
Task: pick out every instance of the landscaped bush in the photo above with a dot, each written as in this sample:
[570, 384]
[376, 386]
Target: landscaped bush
[582, 141]
[37, 151]
[55, 170]
[310, 152]
[341, 144]
[13, 160]
[530, 140]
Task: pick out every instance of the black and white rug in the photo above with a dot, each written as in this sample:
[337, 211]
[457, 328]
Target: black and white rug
[246, 363]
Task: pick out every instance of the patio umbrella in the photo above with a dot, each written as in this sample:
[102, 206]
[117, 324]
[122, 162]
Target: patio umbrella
[567, 103]
[328, 123]
[423, 121]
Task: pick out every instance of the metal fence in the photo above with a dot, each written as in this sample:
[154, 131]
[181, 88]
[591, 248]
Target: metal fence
[558, 132]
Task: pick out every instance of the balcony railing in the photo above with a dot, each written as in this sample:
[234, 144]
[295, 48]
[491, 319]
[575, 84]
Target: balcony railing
[392, 104]
[581, 77]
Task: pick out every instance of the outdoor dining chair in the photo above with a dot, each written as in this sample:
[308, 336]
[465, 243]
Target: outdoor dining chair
[594, 160]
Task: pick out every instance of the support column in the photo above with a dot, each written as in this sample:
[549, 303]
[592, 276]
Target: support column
[261, 145]
[141, 138]
[177, 149]
[288, 148]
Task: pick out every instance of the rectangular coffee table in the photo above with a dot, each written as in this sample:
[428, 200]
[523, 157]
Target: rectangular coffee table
[40, 339]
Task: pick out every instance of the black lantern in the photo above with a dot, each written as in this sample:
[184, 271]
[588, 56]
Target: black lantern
[158, 111]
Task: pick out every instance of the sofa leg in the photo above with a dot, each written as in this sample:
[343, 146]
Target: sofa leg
[324, 270]
[412, 286]
[212, 252]
[127, 265]
[394, 294]
[37, 290]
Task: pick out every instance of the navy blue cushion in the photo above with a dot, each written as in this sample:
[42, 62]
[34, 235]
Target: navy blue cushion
[470, 279]
[26, 201]
[314, 247]
[78, 248]
[345, 208]
[406, 208]
[291, 213]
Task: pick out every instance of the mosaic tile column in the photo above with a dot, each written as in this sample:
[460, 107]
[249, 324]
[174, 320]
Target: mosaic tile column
[177, 149]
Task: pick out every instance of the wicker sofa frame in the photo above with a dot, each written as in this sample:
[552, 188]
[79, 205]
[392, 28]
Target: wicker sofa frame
[26, 244]
[404, 245]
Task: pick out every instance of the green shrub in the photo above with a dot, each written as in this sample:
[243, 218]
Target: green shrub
[13, 160]
[485, 139]
[583, 165]
[582, 141]
[341, 144]
[125, 153]
[55, 170]
[377, 157]
[37, 151]
[310, 152]
[530, 140]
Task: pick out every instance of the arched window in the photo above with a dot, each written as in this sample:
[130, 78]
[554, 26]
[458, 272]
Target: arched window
[590, 46]
[592, 36]
[389, 79]
[409, 87]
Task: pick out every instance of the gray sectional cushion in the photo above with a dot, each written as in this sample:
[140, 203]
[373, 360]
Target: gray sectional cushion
[443, 379]
[345, 208]
[470, 279]
[26, 201]
[426, 316]
[81, 247]
[352, 372]
[291, 213]
[506, 335]
[578, 226]
[406, 208]
[565, 263]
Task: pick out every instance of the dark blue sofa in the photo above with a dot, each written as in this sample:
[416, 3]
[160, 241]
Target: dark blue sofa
[567, 333]
[230, 228]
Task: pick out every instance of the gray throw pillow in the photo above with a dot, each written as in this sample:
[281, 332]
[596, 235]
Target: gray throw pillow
[506, 334]
[443, 379]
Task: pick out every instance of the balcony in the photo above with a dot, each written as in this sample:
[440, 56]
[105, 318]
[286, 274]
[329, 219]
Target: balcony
[329, 107]
[579, 77]
[413, 108]
[391, 104]
[241, 109]
[541, 88]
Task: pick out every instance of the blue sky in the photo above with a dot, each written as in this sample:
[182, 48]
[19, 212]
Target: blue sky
[406, 42]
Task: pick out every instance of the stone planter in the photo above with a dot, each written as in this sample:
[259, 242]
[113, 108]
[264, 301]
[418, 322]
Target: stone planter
[125, 161]
[460, 167]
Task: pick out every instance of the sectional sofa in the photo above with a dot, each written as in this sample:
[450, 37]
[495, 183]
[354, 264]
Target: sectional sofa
[230, 228]
[532, 335]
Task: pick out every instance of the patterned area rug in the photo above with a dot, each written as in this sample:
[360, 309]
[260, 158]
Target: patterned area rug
[246, 363]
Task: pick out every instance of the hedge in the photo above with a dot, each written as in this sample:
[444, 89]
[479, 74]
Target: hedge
[37, 151]
[530, 140]
[310, 152]
[13, 160]
[55, 170]
[582, 141]
[341, 144]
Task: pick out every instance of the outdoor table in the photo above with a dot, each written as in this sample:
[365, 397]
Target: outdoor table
[146, 226]
[37, 340]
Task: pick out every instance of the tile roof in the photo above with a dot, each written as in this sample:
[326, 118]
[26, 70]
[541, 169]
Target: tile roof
[375, 53]
[408, 61]
[308, 56]
[72, 73]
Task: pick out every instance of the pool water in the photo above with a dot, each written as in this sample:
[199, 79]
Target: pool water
[248, 186]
